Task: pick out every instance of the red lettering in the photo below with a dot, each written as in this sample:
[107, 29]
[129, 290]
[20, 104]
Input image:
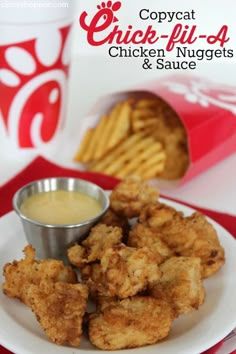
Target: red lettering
[220, 37]
[105, 17]
[116, 35]
[137, 37]
[126, 38]
[181, 36]
[94, 27]
[150, 36]
[115, 32]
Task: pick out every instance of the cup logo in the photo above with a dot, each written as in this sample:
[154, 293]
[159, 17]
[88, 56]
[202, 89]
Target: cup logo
[32, 87]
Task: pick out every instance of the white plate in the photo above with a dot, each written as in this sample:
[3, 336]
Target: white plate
[190, 334]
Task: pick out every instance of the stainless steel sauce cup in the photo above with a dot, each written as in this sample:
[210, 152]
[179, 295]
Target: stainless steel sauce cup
[52, 241]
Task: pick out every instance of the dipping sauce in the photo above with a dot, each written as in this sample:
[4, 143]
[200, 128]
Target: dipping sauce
[60, 207]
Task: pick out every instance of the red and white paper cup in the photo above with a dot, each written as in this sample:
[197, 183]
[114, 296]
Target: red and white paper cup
[34, 66]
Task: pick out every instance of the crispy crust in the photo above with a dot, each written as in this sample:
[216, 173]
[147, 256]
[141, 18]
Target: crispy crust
[59, 308]
[128, 270]
[19, 275]
[191, 236]
[181, 284]
[142, 236]
[130, 323]
[100, 238]
[130, 196]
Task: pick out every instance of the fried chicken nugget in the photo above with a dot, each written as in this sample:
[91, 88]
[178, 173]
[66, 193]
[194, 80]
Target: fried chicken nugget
[110, 218]
[156, 214]
[141, 236]
[128, 271]
[207, 245]
[19, 275]
[191, 236]
[77, 255]
[95, 279]
[123, 272]
[100, 237]
[130, 323]
[130, 196]
[180, 284]
[59, 308]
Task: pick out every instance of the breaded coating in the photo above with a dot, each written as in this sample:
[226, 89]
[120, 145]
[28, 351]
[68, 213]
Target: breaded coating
[94, 278]
[59, 308]
[77, 255]
[141, 236]
[181, 284]
[110, 218]
[191, 236]
[207, 245]
[128, 270]
[130, 323]
[103, 301]
[19, 275]
[156, 214]
[99, 239]
[130, 196]
[123, 272]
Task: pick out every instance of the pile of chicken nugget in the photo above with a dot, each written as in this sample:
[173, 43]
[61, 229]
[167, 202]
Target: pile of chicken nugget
[143, 265]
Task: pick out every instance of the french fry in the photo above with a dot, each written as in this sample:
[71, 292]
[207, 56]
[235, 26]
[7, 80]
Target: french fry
[135, 151]
[120, 118]
[100, 165]
[147, 171]
[128, 155]
[142, 113]
[84, 147]
[99, 145]
[142, 158]
[89, 154]
[152, 172]
[143, 124]
[136, 137]
[155, 162]
[147, 103]
[108, 129]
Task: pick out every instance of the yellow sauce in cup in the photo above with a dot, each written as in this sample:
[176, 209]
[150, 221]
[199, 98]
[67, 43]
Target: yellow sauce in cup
[60, 207]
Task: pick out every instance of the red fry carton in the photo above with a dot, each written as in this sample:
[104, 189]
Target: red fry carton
[207, 110]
